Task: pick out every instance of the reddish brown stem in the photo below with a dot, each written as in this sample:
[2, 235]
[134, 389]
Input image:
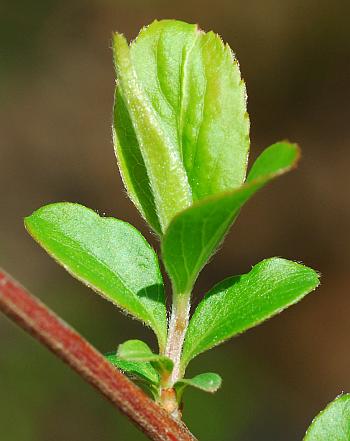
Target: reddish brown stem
[49, 329]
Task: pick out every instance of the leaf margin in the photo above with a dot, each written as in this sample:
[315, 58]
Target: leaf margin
[161, 331]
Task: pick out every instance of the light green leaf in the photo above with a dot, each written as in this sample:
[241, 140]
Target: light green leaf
[194, 234]
[131, 165]
[333, 423]
[106, 254]
[195, 101]
[193, 82]
[135, 369]
[142, 373]
[162, 159]
[208, 382]
[241, 302]
[137, 350]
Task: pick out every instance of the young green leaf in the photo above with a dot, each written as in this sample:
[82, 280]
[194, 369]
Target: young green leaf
[208, 382]
[139, 351]
[141, 370]
[193, 82]
[141, 373]
[131, 164]
[241, 302]
[193, 98]
[106, 254]
[194, 234]
[333, 423]
[161, 157]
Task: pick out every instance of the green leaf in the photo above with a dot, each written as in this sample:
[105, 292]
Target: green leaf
[135, 369]
[208, 382]
[193, 82]
[131, 165]
[142, 373]
[194, 234]
[106, 254]
[193, 109]
[241, 302]
[333, 423]
[163, 163]
[137, 350]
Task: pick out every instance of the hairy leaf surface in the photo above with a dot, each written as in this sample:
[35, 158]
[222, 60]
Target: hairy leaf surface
[194, 234]
[166, 173]
[192, 92]
[241, 302]
[208, 382]
[108, 255]
[135, 369]
[137, 350]
[333, 423]
[131, 164]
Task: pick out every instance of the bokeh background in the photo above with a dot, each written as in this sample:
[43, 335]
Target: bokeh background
[56, 92]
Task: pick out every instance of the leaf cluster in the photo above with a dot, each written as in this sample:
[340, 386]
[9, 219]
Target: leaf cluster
[181, 137]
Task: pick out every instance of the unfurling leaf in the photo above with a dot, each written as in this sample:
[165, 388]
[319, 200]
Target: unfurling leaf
[106, 254]
[181, 129]
[165, 170]
[333, 423]
[241, 302]
[194, 234]
[208, 382]
[137, 350]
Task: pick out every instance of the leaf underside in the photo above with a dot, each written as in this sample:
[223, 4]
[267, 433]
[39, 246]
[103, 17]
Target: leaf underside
[333, 423]
[180, 114]
[241, 302]
[106, 254]
[194, 234]
[207, 382]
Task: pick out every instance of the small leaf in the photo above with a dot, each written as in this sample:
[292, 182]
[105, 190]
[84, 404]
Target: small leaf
[142, 373]
[137, 350]
[333, 423]
[106, 254]
[194, 234]
[208, 382]
[241, 302]
[135, 369]
[180, 113]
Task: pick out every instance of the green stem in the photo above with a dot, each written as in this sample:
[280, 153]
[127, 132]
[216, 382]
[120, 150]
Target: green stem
[176, 336]
[177, 331]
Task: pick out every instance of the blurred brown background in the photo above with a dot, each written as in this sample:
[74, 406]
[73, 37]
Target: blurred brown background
[56, 92]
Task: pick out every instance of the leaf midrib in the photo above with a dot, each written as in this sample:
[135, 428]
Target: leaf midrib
[106, 267]
[224, 316]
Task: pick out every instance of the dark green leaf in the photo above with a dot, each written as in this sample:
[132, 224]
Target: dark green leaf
[137, 350]
[241, 302]
[108, 255]
[208, 382]
[149, 389]
[333, 423]
[194, 235]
